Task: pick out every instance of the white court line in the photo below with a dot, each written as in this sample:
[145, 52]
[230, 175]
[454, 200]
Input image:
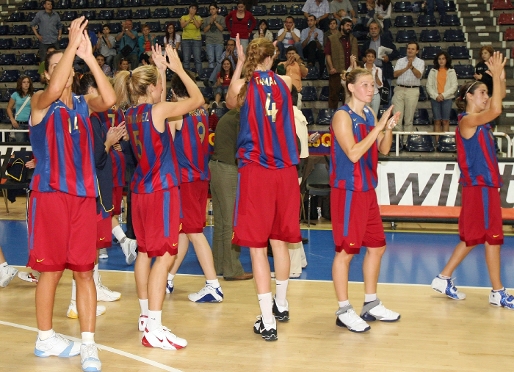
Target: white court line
[102, 347]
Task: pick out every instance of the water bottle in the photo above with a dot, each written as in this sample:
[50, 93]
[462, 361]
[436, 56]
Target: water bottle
[210, 215]
[319, 212]
[121, 217]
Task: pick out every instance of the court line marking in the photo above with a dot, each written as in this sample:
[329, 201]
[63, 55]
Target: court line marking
[102, 347]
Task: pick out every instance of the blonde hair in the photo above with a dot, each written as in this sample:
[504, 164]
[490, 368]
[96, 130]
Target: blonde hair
[352, 76]
[258, 50]
[130, 85]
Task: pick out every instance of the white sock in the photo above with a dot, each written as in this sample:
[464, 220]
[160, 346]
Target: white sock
[73, 290]
[266, 304]
[444, 276]
[154, 320]
[370, 297]
[118, 233]
[45, 335]
[143, 305]
[88, 338]
[343, 303]
[498, 290]
[96, 275]
[213, 283]
[170, 276]
[281, 292]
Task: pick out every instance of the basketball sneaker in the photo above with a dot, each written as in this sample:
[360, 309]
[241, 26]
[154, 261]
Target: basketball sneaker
[501, 298]
[281, 313]
[31, 277]
[445, 286]
[57, 345]
[347, 317]
[143, 321]
[207, 294]
[163, 338]
[74, 314]
[102, 253]
[267, 331]
[89, 358]
[7, 273]
[374, 310]
[169, 286]
[129, 246]
[105, 294]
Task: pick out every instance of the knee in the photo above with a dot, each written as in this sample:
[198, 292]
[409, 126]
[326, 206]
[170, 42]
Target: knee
[83, 275]
[376, 252]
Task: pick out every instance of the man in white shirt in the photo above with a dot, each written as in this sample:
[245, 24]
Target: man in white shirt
[289, 36]
[408, 72]
[312, 44]
[320, 9]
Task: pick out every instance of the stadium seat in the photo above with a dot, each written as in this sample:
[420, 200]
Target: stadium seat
[179, 12]
[323, 94]
[429, 52]
[16, 17]
[427, 70]
[275, 23]
[406, 36]
[402, 52]
[32, 74]
[95, 27]
[453, 117]
[324, 76]
[309, 115]
[150, 2]
[123, 14]
[421, 117]
[106, 14]
[296, 9]
[430, 36]
[207, 92]
[402, 7]
[23, 43]
[426, 20]
[509, 34]
[161, 13]
[136, 26]
[7, 59]
[422, 94]
[308, 93]
[98, 3]
[464, 71]
[458, 52]
[115, 4]
[9, 76]
[203, 11]
[4, 30]
[416, 6]
[450, 6]
[502, 5]
[168, 2]
[404, 21]
[278, 9]
[80, 4]
[155, 26]
[450, 20]
[222, 10]
[446, 144]
[63, 43]
[422, 143]
[206, 72]
[27, 59]
[454, 36]
[62, 4]
[393, 144]
[115, 27]
[299, 22]
[69, 15]
[142, 14]
[220, 111]
[259, 10]
[29, 5]
[313, 73]
[6, 43]
[325, 116]
[362, 8]
[89, 14]
[4, 97]
[506, 19]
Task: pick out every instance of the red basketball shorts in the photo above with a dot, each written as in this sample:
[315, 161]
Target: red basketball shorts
[193, 202]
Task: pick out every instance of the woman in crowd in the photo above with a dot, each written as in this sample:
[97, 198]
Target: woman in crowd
[20, 102]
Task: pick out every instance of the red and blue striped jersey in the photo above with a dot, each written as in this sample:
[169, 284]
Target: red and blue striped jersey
[157, 167]
[477, 158]
[361, 175]
[192, 145]
[267, 135]
[63, 148]
[113, 118]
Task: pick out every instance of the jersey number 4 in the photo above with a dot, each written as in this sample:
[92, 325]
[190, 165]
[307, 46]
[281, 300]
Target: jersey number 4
[271, 108]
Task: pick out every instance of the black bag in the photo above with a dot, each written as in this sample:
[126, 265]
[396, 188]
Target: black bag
[16, 169]
[126, 50]
[384, 92]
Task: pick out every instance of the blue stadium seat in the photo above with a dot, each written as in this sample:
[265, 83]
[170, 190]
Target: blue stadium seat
[450, 6]
[323, 94]
[458, 52]
[206, 72]
[309, 115]
[404, 21]
[422, 143]
[421, 117]
[278, 9]
[325, 116]
[296, 9]
[275, 23]
[422, 94]
[123, 14]
[30, 16]
[464, 71]
[169, 74]
[179, 12]
[4, 30]
[27, 59]
[19, 30]
[150, 2]
[32, 74]
[80, 4]
[62, 4]
[168, 2]
[23, 43]
[446, 144]
[161, 13]
[426, 20]
[106, 14]
[203, 12]
[63, 43]
[450, 20]
[393, 144]
[429, 52]
[402, 7]
[362, 8]
[427, 70]
[136, 26]
[430, 36]
[6, 43]
[406, 36]
[453, 117]
[299, 22]
[29, 5]
[95, 27]
[7, 59]
[98, 3]
[89, 14]
[308, 93]
[155, 26]
[142, 14]
[416, 6]
[115, 4]
[69, 15]
[454, 35]
[16, 17]
[313, 73]
[222, 10]
[402, 52]
[220, 111]
[9, 76]
[207, 92]
[259, 10]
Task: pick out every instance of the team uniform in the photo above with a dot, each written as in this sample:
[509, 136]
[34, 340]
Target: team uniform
[268, 194]
[480, 218]
[155, 198]
[355, 215]
[64, 188]
[192, 145]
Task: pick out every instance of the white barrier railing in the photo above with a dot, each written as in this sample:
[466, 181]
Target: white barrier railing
[4, 133]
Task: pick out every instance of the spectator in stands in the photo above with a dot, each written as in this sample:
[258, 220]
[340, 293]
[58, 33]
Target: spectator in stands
[312, 45]
[295, 69]
[337, 5]
[320, 9]
[481, 68]
[191, 24]
[171, 37]
[339, 49]
[213, 29]
[41, 68]
[369, 57]
[441, 8]
[262, 31]
[383, 13]
[332, 29]
[222, 82]
[128, 45]
[375, 41]
[145, 41]
[47, 27]
[20, 101]
[106, 45]
[230, 53]
[289, 36]
[441, 87]
[7, 273]
[104, 66]
[240, 21]
[408, 72]
[123, 65]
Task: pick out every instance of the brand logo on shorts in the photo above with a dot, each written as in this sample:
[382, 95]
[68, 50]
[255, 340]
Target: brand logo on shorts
[352, 244]
[175, 244]
[39, 260]
[495, 236]
[102, 238]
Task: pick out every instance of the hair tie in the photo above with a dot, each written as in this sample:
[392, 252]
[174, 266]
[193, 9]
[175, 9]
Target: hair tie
[467, 90]
[130, 72]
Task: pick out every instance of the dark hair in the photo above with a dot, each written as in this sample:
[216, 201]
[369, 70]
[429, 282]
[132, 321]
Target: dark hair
[470, 88]
[48, 56]
[413, 43]
[448, 60]
[485, 47]
[290, 17]
[82, 83]
[290, 48]
[230, 72]
[106, 25]
[384, 3]
[345, 21]
[123, 59]
[376, 23]
[214, 5]
[144, 57]
[311, 15]
[294, 95]
[30, 92]
[370, 51]
[265, 22]
[193, 5]
[177, 85]
[169, 36]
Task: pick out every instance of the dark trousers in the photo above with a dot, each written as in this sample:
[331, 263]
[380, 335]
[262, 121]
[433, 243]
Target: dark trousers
[334, 90]
[312, 54]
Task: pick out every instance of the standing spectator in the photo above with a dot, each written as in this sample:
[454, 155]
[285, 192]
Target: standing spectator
[262, 31]
[104, 66]
[312, 44]
[230, 53]
[441, 87]
[320, 9]
[41, 68]
[214, 26]
[127, 38]
[240, 21]
[340, 47]
[481, 68]
[47, 27]
[383, 10]
[440, 7]
[145, 41]
[346, 5]
[20, 101]
[192, 38]
[332, 29]
[223, 82]
[369, 56]
[106, 45]
[296, 70]
[288, 36]
[172, 38]
[408, 71]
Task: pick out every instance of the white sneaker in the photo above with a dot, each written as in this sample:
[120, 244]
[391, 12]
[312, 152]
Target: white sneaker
[163, 338]
[7, 273]
[129, 246]
[501, 298]
[374, 310]
[57, 345]
[207, 294]
[105, 294]
[89, 358]
[169, 287]
[347, 317]
[31, 277]
[446, 286]
[102, 253]
[74, 314]
[143, 321]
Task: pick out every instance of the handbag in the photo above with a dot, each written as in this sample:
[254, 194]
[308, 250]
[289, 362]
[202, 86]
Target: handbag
[126, 50]
[384, 92]
[16, 169]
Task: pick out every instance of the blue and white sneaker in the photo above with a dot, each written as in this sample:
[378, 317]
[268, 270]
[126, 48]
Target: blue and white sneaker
[501, 298]
[207, 294]
[57, 345]
[445, 286]
[169, 286]
[89, 358]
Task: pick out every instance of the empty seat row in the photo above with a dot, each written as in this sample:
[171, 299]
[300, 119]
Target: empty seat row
[430, 52]
[427, 21]
[7, 59]
[428, 36]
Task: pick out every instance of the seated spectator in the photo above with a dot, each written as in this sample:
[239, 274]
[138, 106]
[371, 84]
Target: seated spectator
[383, 10]
[320, 9]
[340, 9]
[123, 65]
[146, 59]
[295, 69]
[127, 38]
[104, 66]
[171, 37]
[230, 53]
[288, 36]
[145, 41]
[240, 21]
[312, 44]
[106, 45]
[263, 31]
[222, 82]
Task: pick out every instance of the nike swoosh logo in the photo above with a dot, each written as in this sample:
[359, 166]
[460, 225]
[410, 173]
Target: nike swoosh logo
[159, 339]
[39, 260]
[175, 244]
[352, 244]
[102, 238]
[495, 236]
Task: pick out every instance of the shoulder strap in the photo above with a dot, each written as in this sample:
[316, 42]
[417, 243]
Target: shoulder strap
[27, 100]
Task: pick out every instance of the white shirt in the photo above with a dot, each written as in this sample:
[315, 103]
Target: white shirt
[288, 39]
[408, 78]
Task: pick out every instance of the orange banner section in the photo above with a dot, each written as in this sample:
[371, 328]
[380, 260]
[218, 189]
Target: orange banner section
[408, 211]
